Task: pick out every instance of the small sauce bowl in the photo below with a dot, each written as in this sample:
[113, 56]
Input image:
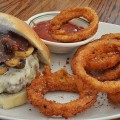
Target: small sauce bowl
[58, 47]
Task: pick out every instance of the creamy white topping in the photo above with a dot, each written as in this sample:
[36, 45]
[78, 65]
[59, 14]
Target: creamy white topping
[15, 80]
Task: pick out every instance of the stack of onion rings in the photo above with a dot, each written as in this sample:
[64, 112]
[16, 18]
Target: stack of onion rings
[112, 74]
[60, 81]
[81, 60]
[69, 14]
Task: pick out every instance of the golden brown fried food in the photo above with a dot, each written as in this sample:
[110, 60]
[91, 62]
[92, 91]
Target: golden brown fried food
[79, 64]
[110, 74]
[111, 36]
[114, 98]
[67, 15]
[59, 81]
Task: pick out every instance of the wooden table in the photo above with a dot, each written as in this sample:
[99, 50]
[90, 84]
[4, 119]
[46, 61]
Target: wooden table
[108, 10]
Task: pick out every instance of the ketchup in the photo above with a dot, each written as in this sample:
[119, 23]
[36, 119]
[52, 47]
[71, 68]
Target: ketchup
[43, 30]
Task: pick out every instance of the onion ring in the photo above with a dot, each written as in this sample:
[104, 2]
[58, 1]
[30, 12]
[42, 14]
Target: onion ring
[111, 36]
[109, 74]
[66, 15]
[61, 81]
[101, 62]
[93, 49]
[114, 98]
[114, 72]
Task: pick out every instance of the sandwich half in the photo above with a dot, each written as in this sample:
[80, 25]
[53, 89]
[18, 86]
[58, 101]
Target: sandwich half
[20, 52]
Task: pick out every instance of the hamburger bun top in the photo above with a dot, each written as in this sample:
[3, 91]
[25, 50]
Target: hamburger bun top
[11, 23]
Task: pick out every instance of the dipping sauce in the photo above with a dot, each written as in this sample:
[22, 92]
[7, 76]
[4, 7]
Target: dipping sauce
[43, 30]
[9, 42]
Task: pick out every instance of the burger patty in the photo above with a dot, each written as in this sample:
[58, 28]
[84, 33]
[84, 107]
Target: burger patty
[15, 80]
[10, 42]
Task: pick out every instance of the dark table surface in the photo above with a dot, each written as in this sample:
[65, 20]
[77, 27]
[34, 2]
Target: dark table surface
[108, 10]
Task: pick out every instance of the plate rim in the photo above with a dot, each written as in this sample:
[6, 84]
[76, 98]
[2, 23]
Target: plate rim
[102, 118]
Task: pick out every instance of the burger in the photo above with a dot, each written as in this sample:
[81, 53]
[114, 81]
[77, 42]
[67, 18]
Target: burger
[20, 52]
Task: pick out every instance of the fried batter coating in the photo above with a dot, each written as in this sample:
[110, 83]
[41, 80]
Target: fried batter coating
[92, 50]
[59, 81]
[67, 15]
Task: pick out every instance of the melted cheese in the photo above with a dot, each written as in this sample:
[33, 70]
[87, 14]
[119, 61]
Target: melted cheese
[15, 80]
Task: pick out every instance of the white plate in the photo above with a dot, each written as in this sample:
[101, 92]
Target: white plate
[101, 110]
